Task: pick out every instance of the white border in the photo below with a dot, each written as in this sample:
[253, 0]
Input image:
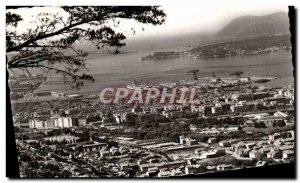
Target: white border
[201, 3]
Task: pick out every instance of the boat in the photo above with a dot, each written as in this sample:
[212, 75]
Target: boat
[133, 87]
[262, 80]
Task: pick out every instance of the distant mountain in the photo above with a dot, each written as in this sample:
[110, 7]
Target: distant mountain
[255, 26]
[259, 45]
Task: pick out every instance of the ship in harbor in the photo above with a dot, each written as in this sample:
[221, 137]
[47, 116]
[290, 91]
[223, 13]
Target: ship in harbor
[161, 55]
[262, 80]
[142, 87]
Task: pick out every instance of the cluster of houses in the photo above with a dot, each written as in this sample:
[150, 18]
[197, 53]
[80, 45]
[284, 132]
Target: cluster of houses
[280, 143]
[161, 157]
[216, 104]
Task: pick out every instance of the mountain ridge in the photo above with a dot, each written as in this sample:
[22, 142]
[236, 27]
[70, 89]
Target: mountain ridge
[255, 26]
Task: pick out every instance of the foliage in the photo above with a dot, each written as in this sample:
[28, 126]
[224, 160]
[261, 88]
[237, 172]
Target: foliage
[50, 42]
[278, 155]
[260, 125]
[280, 123]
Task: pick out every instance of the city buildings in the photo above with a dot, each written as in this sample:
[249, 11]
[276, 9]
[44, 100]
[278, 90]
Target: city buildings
[161, 140]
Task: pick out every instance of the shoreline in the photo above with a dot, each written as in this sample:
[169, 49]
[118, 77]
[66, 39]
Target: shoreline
[86, 93]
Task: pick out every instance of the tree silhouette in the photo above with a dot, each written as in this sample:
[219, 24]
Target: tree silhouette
[50, 43]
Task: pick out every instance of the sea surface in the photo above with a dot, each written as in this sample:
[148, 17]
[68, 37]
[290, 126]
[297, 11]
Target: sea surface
[122, 69]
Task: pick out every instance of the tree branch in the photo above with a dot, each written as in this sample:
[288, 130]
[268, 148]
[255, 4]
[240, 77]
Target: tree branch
[39, 37]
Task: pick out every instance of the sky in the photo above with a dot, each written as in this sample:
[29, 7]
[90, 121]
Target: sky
[180, 19]
[190, 19]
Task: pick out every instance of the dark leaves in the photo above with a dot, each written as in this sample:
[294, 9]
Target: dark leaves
[12, 19]
[51, 45]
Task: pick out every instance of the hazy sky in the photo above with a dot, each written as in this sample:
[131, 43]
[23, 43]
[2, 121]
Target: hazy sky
[180, 19]
[203, 19]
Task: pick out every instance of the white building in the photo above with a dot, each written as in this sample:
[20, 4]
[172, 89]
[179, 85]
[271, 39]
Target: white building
[280, 114]
[63, 122]
[216, 110]
[35, 123]
[288, 154]
[254, 154]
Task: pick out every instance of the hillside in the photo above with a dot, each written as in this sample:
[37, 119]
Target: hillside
[255, 26]
[242, 47]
